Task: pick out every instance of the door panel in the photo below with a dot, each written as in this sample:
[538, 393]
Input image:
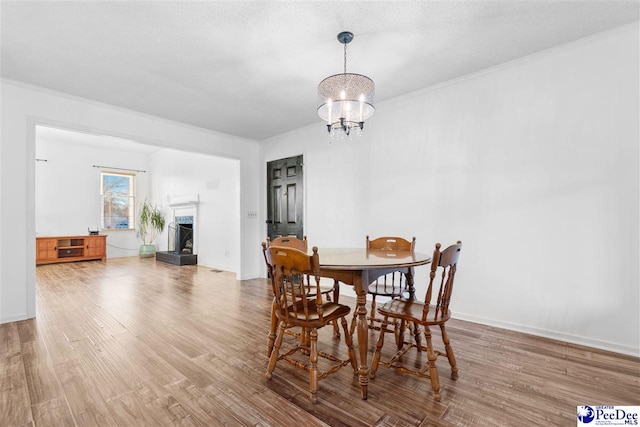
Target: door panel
[277, 204]
[285, 198]
[291, 204]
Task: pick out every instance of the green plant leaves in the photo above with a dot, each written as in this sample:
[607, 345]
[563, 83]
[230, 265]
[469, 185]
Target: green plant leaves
[151, 222]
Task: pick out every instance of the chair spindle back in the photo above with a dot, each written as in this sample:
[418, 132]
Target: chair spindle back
[290, 266]
[447, 260]
[391, 283]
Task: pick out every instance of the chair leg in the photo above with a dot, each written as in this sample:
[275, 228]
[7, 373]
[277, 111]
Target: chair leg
[336, 291]
[313, 372]
[416, 336]
[304, 340]
[399, 329]
[336, 329]
[276, 352]
[336, 299]
[272, 328]
[379, 345]
[433, 369]
[348, 339]
[372, 313]
[450, 355]
[354, 322]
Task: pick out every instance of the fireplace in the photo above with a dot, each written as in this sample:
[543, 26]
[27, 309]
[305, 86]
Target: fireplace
[181, 242]
[183, 235]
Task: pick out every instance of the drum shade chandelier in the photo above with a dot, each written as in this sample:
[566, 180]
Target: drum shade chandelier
[345, 100]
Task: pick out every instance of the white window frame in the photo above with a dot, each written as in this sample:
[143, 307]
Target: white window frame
[131, 195]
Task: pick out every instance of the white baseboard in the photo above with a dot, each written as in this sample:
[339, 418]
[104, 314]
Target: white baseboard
[15, 318]
[570, 338]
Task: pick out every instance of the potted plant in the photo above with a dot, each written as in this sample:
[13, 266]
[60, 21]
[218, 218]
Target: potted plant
[151, 222]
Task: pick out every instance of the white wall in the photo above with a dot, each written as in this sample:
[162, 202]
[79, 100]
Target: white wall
[23, 107]
[216, 181]
[68, 190]
[533, 165]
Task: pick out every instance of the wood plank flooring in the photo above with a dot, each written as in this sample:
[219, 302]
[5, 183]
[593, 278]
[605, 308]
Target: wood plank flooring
[132, 342]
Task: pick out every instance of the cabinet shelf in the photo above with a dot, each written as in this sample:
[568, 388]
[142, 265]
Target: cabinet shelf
[70, 248]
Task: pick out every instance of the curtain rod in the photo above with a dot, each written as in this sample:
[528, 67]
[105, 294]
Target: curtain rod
[120, 169]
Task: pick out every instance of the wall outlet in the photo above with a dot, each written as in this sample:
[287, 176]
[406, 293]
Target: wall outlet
[227, 253]
[252, 214]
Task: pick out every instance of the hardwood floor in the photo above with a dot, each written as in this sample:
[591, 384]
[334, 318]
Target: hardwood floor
[132, 342]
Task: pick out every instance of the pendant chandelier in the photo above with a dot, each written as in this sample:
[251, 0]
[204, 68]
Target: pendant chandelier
[345, 100]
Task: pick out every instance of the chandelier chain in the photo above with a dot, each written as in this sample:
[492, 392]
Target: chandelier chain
[345, 58]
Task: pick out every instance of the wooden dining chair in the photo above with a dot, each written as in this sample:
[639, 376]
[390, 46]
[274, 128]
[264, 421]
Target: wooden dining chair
[443, 270]
[294, 308]
[327, 290]
[332, 292]
[393, 285]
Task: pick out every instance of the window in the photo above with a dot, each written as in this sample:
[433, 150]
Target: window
[118, 200]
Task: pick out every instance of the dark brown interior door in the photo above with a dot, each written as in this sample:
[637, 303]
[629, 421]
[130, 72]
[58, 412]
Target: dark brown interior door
[284, 198]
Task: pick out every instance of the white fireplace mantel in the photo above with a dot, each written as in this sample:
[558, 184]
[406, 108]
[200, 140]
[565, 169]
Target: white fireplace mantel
[183, 200]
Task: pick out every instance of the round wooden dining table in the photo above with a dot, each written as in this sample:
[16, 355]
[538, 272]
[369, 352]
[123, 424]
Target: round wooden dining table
[359, 267]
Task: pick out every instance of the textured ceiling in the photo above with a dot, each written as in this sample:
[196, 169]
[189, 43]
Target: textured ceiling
[251, 69]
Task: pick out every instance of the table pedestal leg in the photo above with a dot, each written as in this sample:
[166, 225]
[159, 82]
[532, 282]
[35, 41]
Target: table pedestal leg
[363, 334]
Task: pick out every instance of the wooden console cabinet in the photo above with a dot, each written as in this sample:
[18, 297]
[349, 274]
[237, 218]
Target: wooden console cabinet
[70, 248]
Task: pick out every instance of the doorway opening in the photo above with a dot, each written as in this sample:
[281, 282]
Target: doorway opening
[67, 190]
